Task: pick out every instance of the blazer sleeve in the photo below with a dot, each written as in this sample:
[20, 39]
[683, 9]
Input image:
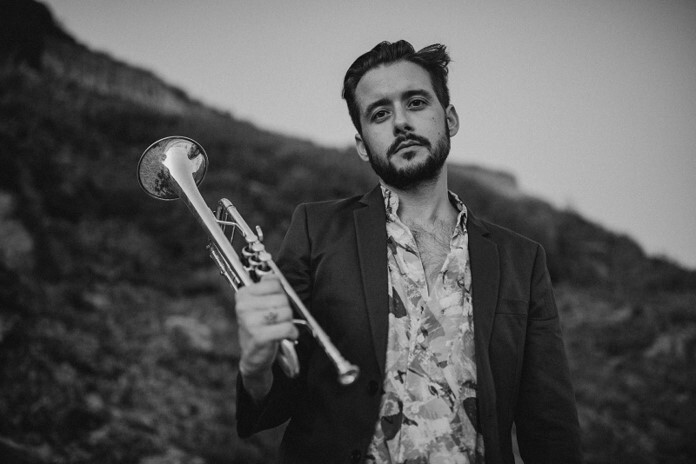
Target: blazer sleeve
[546, 415]
[277, 407]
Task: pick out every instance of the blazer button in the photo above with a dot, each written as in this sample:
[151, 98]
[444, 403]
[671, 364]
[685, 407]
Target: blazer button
[355, 455]
[372, 387]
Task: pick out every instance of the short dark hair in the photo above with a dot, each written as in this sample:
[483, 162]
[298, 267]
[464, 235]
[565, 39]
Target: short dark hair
[433, 58]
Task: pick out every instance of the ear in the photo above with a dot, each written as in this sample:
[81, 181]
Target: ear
[360, 146]
[452, 119]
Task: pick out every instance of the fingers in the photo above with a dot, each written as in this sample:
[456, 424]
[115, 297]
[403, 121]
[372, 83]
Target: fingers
[257, 309]
[272, 324]
[246, 302]
[269, 284]
[264, 335]
[264, 318]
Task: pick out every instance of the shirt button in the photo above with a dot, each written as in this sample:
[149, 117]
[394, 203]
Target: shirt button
[372, 387]
[355, 455]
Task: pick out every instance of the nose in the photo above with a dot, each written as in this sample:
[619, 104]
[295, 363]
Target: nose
[401, 121]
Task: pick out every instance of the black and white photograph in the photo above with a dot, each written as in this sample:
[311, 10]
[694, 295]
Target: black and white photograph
[318, 231]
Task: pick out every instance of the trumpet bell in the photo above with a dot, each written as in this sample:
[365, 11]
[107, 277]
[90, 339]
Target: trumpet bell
[153, 174]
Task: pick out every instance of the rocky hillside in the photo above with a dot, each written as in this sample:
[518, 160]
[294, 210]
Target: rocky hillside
[116, 340]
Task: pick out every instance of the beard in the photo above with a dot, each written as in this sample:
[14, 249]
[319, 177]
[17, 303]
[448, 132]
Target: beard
[412, 176]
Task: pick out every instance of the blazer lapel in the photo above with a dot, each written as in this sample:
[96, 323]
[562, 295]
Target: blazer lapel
[372, 252]
[485, 275]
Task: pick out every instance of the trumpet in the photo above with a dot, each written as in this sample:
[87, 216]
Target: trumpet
[172, 168]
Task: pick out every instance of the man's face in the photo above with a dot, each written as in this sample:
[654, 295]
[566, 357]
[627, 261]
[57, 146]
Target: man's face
[405, 129]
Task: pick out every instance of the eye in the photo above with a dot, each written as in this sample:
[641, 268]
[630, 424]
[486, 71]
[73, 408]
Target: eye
[379, 115]
[417, 103]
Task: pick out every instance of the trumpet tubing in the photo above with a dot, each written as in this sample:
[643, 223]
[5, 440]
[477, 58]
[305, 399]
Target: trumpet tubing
[172, 168]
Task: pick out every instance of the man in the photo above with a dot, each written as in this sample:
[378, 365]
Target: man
[451, 320]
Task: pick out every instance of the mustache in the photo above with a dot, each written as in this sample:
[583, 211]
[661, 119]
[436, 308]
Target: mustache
[407, 138]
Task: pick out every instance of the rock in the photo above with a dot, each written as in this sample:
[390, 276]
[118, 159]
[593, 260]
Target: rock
[16, 244]
[188, 333]
[172, 456]
[679, 345]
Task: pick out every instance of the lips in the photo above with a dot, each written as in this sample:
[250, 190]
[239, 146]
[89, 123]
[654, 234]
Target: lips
[409, 143]
[411, 140]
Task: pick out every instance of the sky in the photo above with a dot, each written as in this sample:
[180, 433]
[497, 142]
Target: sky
[590, 104]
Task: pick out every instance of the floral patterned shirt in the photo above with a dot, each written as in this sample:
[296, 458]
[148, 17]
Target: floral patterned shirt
[429, 410]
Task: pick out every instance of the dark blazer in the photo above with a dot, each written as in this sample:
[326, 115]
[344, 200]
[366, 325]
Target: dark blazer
[335, 256]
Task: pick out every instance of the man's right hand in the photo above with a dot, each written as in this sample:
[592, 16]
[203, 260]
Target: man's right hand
[264, 318]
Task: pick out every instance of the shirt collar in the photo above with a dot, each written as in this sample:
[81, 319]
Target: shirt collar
[391, 205]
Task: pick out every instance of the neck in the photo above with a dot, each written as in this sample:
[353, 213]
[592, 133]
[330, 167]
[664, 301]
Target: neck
[426, 202]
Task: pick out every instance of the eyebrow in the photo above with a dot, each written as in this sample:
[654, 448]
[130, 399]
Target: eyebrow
[405, 95]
